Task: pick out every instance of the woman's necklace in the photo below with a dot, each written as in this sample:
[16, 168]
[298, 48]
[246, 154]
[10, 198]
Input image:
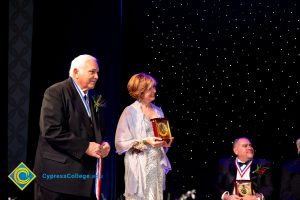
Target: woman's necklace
[148, 111]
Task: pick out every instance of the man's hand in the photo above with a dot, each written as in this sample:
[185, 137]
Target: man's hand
[252, 197]
[94, 149]
[98, 151]
[231, 197]
[105, 149]
[236, 197]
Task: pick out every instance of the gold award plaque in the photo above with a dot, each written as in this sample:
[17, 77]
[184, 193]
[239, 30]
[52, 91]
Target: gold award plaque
[243, 188]
[161, 128]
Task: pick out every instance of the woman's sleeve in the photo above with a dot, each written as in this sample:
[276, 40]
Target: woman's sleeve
[124, 138]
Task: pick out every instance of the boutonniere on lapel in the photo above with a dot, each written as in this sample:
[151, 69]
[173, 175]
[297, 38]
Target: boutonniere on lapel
[260, 170]
[98, 102]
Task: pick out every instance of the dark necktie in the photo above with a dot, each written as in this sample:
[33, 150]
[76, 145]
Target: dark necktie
[86, 101]
[88, 105]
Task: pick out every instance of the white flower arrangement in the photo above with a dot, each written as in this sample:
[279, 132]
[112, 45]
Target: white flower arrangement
[191, 194]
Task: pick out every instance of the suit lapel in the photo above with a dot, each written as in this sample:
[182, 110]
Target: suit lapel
[253, 176]
[231, 173]
[232, 169]
[253, 168]
[79, 106]
[94, 116]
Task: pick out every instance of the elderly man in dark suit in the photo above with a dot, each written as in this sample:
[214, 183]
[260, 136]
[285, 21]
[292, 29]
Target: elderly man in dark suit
[290, 181]
[70, 136]
[243, 177]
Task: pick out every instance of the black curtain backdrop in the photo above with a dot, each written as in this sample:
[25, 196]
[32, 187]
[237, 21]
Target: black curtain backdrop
[224, 69]
[4, 84]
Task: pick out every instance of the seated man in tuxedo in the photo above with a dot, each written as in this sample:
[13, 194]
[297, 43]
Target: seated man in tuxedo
[290, 181]
[244, 177]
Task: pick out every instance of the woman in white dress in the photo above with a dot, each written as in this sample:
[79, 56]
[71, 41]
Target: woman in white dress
[146, 163]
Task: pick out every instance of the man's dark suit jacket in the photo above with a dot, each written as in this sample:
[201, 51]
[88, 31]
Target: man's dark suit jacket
[290, 183]
[227, 175]
[66, 131]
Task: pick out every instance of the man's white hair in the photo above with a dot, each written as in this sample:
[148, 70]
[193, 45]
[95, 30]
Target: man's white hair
[298, 143]
[79, 62]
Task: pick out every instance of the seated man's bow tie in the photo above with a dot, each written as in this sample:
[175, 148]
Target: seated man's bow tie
[241, 163]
